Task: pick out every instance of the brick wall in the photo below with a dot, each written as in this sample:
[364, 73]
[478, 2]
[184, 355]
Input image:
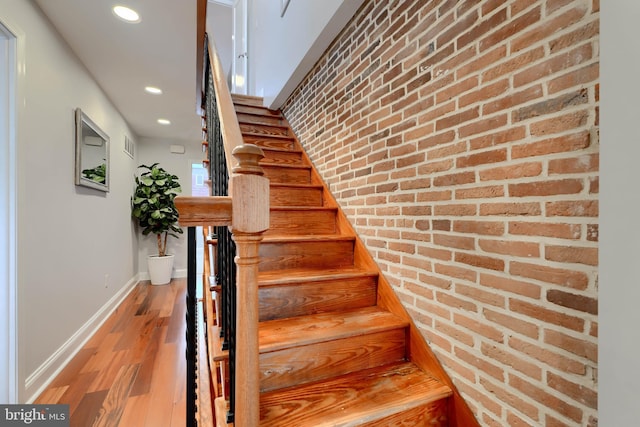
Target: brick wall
[461, 139]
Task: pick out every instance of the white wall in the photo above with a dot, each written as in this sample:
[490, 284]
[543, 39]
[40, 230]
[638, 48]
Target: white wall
[282, 50]
[220, 28]
[619, 299]
[156, 150]
[76, 246]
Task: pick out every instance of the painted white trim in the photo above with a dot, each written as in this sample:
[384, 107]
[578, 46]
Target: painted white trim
[42, 377]
[8, 227]
[229, 3]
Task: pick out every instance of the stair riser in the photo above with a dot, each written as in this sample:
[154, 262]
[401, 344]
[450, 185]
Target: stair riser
[282, 158]
[299, 299]
[248, 109]
[259, 120]
[433, 414]
[299, 365]
[301, 222]
[287, 175]
[265, 141]
[312, 254]
[264, 130]
[247, 100]
[292, 196]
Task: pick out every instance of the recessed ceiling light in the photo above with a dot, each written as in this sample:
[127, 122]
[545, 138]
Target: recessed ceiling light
[126, 14]
[153, 90]
[164, 121]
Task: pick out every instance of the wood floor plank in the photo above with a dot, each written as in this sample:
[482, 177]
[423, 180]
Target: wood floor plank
[112, 407]
[127, 374]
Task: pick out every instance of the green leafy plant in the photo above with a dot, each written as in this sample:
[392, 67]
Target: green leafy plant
[152, 204]
[97, 174]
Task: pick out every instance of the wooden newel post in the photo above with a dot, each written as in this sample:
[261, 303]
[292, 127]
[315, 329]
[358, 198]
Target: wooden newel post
[250, 195]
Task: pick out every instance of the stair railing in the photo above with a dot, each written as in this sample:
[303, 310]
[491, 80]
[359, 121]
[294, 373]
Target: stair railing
[239, 208]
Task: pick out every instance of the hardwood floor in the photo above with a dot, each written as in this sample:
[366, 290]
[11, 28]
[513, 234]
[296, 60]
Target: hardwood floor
[131, 373]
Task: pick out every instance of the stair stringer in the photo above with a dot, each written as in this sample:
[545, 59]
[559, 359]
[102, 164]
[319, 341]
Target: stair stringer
[418, 350]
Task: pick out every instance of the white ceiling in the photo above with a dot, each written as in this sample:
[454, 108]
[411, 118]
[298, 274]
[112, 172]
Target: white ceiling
[124, 58]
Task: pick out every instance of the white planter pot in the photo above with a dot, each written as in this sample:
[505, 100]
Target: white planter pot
[160, 269]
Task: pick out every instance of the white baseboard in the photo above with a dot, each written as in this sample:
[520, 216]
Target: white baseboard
[42, 377]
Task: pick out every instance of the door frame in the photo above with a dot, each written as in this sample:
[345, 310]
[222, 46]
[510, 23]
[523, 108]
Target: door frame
[8, 218]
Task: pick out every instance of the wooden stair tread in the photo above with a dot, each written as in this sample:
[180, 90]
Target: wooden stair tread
[254, 101]
[257, 110]
[266, 135]
[285, 238]
[285, 166]
[295, 185]
[304, 330]
[303, 208]
[352, 399]
[282, 150]
[279, 277]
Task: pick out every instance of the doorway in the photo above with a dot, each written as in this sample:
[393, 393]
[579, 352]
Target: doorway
[8, 203]
[239, 65]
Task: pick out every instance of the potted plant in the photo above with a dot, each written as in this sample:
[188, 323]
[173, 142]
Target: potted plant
[153, 207]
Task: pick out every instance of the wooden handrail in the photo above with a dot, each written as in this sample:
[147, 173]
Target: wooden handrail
[195, 211]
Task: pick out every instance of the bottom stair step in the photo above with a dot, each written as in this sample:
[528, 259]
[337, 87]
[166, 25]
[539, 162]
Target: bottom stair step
[398, 394]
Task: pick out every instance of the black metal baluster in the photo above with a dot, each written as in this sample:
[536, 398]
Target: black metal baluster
[226, 246]
[192, 332]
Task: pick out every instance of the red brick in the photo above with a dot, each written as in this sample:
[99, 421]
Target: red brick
[585, 395]
[559, 276]
[490, 228]
[553, 65]
[511, 285]
[484, 93]
[546, 356]
[481, 295]
[512, 248]
[481, 28]
[574, 78]
[430, 196]
[456, 272]
[482, 158]
[458, 118]
[558, 144]
[510, 209]
[453, 332]
[559, 124]
[517, 325]
[457, 242]
[480, 192]
[547, 399]
[482, 126]
[547, 28]
[440, 254]
[522, 170]
[561, 231]
[551, 105]
[577, 346]
[572, 208]
[584, 163]
[480, 261]
[512, 100]
[455, 210]
[435, 140]
[435, 166]
[509, 398]
[454, 90]
[515, 25]
[454, 179]
[571, 254]
[545, 315]
[546, 188]
[512, 64]
[480, 364]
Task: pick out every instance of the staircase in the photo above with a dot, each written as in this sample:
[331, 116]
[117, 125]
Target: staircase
[336, 348]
